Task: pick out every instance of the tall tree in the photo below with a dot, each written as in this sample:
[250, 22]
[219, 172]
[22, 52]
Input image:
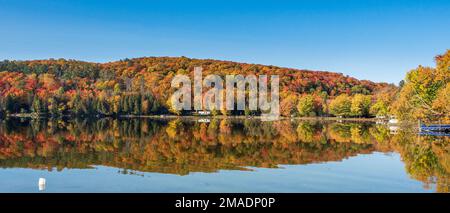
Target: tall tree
[305, 106]
[341, 106]
[360, 105]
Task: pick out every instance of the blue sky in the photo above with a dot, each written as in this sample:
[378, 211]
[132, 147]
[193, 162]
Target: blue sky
[375, 40]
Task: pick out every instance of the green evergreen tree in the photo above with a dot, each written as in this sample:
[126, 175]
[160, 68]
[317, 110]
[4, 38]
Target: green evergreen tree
[36, 107]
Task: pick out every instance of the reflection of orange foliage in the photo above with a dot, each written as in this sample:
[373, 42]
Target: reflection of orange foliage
[339, 137]
[181, 147]
[225, 127]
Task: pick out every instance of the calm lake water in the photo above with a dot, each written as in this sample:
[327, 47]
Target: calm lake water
[230, 155]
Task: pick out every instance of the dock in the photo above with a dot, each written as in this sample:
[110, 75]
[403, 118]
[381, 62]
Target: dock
[431, 133]
[437, 129]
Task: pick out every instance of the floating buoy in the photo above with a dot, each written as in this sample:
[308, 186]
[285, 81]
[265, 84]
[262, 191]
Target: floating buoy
[41, 184]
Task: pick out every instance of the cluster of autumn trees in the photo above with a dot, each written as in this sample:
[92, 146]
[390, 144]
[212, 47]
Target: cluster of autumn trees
[183, 146]
[425, 93]
[343, 105]
[45, 94]
[142, 86]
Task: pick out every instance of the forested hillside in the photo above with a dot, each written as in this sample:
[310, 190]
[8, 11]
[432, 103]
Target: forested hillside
[141, 86]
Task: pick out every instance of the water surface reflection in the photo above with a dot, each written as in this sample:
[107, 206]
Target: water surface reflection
[184, 146]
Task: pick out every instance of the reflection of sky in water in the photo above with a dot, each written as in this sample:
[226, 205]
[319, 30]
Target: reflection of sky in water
[377, 172]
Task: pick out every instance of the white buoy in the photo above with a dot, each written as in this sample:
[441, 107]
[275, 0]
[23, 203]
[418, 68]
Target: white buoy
[41, 184]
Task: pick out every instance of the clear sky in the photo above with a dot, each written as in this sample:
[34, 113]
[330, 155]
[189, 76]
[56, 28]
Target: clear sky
[375, 40]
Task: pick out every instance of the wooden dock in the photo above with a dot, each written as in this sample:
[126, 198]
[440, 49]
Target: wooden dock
[434, 129]
[435, 133]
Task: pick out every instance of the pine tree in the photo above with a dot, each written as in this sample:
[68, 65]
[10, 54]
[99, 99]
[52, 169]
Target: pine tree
[137, 105]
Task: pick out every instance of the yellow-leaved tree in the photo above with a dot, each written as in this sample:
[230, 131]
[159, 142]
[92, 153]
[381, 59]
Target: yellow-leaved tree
[424, 94]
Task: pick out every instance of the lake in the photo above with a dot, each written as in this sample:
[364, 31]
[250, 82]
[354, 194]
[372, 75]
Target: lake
[218, 155]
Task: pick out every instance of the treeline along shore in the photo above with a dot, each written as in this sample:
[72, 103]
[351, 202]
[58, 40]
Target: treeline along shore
[142, 87]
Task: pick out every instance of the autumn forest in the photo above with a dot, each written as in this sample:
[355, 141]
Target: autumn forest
[141, 86]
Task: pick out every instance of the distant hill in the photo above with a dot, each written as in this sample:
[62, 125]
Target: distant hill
[142, 85]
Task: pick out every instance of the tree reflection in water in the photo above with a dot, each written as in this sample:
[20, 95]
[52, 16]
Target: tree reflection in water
[181, 146]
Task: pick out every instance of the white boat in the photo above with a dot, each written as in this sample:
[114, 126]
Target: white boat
[203, 120]
[204, 113]
[394, 130]
[393, 121]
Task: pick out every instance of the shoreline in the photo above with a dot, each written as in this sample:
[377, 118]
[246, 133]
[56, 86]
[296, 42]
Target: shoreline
[337, 119]
[250, 117]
